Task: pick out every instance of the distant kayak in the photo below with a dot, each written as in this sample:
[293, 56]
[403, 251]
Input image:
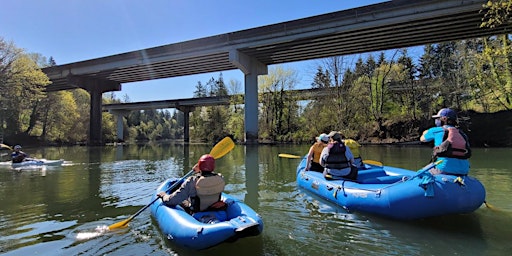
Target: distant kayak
[34, 162]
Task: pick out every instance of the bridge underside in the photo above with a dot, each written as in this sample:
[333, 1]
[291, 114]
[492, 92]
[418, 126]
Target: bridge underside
[378, 27]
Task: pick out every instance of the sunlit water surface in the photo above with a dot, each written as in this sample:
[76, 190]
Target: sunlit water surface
[65, 210]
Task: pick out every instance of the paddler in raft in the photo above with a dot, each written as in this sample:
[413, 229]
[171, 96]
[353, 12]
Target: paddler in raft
[337, 159]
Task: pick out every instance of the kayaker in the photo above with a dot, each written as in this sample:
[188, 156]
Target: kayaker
[17, 155]
[451, 145]
[202, 191]
[313, 158]
[337, 159]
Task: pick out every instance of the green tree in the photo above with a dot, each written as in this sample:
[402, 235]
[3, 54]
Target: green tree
[22, 89]
[279, 109]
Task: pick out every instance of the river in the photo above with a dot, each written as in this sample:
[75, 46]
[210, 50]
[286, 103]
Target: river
[44, 211]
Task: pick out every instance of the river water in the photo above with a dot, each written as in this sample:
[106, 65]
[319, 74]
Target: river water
[57, 210]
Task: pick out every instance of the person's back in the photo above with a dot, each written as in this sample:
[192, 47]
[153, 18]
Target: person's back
[313, 157]
[209, 187]
[338, 159]
[199, 192]
[450, 163]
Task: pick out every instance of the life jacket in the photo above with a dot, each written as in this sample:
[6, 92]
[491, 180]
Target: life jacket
[455, 145]
[17, 157]
[317, 151]
[208, 188]
[337, 158]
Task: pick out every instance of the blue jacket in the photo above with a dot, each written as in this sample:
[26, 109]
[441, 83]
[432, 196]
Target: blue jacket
[448, 165]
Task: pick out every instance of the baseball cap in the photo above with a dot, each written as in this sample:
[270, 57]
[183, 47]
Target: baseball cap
[335, 135]
[450, 114]
[323, 137]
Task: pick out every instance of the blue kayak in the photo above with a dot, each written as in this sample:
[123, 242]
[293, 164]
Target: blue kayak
[397, 193]
[205, 229]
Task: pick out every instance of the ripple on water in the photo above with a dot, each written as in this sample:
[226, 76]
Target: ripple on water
[27, 229]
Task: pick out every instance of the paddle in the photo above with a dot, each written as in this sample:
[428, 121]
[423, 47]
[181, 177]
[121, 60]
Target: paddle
[289, 156]
[372, 162]
[219, 150]
[5, 146]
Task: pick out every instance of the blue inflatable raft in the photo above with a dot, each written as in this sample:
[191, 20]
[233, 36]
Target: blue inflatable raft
[205, 229]
[397, 193]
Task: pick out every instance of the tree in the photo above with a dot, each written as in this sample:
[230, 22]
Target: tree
[23, 89]
[279, 110]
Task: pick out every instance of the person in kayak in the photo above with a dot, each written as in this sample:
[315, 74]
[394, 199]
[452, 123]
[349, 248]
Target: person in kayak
[451, 145]
[337, 159]
[313, 158]
[18, 156]
[202, 191]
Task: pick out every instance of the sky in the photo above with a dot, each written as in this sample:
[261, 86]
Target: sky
[77, 30]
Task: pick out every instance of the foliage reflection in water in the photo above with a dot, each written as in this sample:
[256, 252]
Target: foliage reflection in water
[63, 212]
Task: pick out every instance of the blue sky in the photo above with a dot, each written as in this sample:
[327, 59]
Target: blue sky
[76, 30]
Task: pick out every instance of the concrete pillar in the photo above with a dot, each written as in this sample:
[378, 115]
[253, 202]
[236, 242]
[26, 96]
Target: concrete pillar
[251, 68]
[95, 118]
[96, 88]
[186, 122]
[251, 108]
[120, 124]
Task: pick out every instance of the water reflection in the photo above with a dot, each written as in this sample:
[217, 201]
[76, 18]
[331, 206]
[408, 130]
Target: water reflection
[104, 185]
[252, 176]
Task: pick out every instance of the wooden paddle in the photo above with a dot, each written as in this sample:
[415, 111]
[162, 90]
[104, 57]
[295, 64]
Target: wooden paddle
[219, 150]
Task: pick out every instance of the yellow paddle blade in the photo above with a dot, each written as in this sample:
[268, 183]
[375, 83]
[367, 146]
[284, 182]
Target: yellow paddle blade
[490, 206]
[372, 162]
[120, 224]
[222, 147]
[5, 146]
[288, 156]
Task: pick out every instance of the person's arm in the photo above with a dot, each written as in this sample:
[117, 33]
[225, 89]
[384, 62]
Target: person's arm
[178, 196]
[324, 155]
[309, 158]
[424, 137]
[349, 155]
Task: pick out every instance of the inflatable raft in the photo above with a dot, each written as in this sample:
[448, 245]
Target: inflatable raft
[397, 193]
[205, 229]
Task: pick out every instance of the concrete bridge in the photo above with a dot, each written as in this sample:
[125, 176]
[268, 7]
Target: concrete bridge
[389, 25]
[186, 106]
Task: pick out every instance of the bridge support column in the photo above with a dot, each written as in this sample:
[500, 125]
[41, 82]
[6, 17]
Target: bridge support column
[96, 88]
[95, 118]
[251, 68]
[120, 114]
[186, 122]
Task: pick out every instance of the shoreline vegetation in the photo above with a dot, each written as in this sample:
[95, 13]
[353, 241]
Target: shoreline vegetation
[484, 130]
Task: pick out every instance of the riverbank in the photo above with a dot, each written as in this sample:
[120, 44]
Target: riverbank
[483, 129]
